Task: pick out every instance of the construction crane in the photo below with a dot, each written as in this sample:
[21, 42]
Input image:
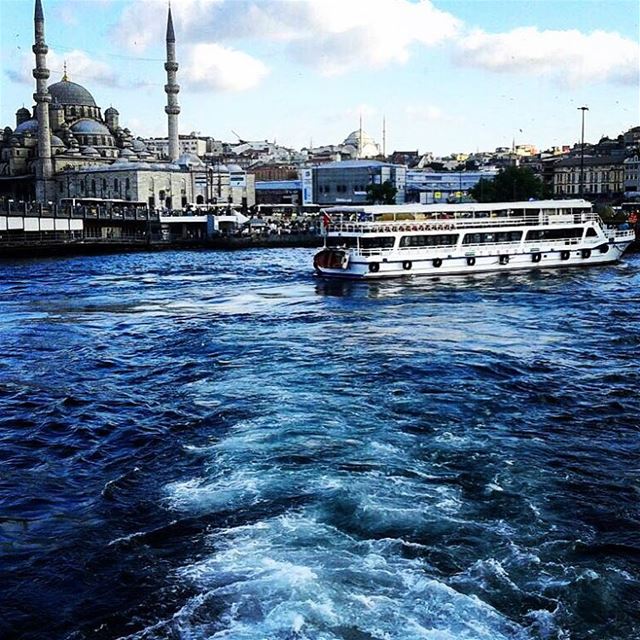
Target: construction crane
[240, 140]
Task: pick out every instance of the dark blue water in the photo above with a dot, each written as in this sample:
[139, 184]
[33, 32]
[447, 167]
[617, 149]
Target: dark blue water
[218, 445]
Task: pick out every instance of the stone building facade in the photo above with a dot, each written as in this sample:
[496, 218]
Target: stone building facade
[602, 177]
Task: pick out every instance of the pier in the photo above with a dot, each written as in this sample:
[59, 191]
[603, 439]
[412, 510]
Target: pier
[29, 229]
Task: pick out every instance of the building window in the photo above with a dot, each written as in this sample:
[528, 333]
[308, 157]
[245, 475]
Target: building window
[127, 184]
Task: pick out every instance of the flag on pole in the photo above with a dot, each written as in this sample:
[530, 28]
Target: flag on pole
[326, 221]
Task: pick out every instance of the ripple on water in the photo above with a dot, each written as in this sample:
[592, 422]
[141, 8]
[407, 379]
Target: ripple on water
[218, 445]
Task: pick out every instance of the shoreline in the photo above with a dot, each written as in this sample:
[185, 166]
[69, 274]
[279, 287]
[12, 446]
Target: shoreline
[223, 243]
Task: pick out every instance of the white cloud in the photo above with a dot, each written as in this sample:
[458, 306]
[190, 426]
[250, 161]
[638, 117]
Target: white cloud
[81, 69]
[337, 37]
[212, 66]
[346, 36]
[332, 36]
[572, 57]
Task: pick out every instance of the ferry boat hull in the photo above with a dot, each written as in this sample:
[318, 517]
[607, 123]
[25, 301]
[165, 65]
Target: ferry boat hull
[548, 234]
[444, 265]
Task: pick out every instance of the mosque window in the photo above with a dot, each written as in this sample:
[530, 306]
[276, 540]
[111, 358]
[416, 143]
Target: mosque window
[127, 184]
[93, 187]
[116, 184]
[104, 183]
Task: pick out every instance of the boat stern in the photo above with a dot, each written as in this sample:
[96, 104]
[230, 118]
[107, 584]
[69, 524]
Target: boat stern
[331, 261]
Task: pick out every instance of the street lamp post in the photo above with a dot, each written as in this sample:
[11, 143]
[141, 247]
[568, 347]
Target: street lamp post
[583, 109]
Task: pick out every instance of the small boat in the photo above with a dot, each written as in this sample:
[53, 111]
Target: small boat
[384, 241]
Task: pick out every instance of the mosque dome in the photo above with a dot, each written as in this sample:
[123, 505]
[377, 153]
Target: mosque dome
[189, 160]
[71, 93]
[127, 153]
[56, 142]
[90, 151]
[139, 145]
[91, 127]
[111, 111]
[234, 168]
[363, 142]
[23, 112]
[28, 126]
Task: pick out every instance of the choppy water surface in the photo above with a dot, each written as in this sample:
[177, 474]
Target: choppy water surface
[218, 445]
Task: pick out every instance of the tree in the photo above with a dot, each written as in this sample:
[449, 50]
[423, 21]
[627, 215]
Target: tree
[384, 193]
[510, 185]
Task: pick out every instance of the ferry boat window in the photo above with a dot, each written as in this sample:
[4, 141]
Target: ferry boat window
[554, 234]
[384, 242]
[491, 238]
[441, 240]
[347, 242]
[591, 232]
[508, 236]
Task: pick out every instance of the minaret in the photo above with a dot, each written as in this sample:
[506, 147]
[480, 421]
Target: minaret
[44, 165]
[171, 89]
[384, 136]
[360, 139]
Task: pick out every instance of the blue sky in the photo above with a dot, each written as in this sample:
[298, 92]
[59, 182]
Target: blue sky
[449, 75]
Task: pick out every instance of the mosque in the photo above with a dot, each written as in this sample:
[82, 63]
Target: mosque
[67, 147]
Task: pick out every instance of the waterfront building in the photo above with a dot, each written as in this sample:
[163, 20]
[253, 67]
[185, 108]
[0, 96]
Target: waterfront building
[346, 182]
[279, 192]
[596, 178]
[632, 176]
[191, 144]
[428, 187]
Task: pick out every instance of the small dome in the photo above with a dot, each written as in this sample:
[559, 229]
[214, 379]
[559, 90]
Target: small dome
[56, 142]
[111, 111]
[23, 112]
[139, 145]
[222, 168]
[189, 160]
[127, 153]
[70, 93]
[92, 127]
[89, 151]
[28, 126]
[234, 168]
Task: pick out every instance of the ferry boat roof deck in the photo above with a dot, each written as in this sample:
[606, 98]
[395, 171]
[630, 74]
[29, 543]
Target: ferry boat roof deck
[548, 206]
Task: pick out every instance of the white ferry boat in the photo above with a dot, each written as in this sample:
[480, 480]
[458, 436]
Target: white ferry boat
[382, 241]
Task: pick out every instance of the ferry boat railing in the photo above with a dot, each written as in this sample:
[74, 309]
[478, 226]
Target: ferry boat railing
[447, 224]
